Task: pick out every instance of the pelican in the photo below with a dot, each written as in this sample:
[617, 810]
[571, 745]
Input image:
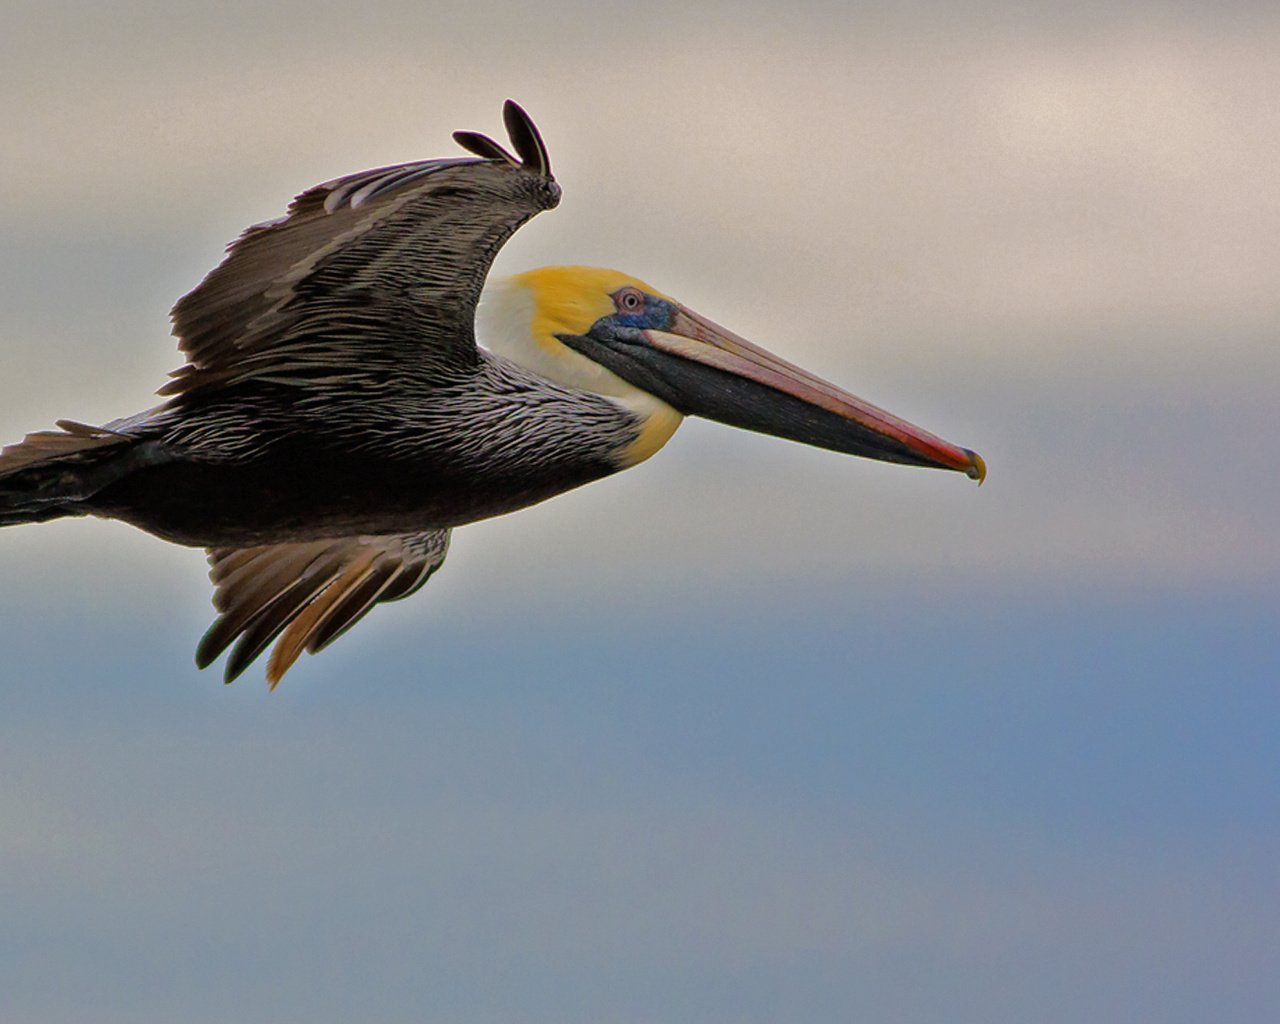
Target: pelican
[344, 405]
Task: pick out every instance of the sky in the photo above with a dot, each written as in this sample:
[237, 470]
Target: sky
[753, 731]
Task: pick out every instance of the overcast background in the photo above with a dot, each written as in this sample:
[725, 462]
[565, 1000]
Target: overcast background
[753, 732]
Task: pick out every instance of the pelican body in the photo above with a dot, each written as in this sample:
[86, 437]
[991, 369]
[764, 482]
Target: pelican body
[337, 417]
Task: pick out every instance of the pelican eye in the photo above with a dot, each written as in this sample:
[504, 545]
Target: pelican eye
[629, 300]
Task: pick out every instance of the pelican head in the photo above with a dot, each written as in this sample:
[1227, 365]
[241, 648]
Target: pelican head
[610, 333]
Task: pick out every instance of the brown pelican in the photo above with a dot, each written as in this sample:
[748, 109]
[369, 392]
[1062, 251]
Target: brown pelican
[336, 417]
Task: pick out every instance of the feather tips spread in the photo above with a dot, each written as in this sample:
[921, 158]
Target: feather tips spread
[524, 136]
[304, 596]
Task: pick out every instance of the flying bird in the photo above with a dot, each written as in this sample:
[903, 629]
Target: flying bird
[344, 405]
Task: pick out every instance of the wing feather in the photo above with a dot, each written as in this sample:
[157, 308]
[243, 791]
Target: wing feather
[361, 263]
[526, 138]
[303, 596]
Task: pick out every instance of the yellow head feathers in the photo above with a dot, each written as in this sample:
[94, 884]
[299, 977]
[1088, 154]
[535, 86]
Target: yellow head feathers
[568, 300]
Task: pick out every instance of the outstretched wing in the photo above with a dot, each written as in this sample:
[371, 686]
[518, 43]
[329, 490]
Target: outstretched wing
[308, 594]
[376, 263]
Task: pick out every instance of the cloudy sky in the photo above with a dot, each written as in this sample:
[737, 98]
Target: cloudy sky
[752, 732]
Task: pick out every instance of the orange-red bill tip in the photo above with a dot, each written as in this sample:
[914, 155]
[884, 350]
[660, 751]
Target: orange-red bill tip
[977, 467]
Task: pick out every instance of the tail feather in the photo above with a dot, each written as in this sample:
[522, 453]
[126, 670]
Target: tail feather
[45, 474]
[53, 445]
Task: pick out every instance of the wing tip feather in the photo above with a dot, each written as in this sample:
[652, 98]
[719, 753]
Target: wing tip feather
[526, 138]
[530, 151]
[483, 146]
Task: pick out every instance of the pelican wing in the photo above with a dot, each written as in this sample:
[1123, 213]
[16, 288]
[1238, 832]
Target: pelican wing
[308, 594]
[378, 267]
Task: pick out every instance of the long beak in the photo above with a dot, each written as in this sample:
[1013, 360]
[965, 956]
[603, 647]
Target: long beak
[724, 377]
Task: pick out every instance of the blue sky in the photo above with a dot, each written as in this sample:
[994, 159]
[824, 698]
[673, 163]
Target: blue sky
[752, 732]
[907, 810]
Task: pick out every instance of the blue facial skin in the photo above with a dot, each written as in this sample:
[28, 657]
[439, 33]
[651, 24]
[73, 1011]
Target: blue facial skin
[655, 315]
